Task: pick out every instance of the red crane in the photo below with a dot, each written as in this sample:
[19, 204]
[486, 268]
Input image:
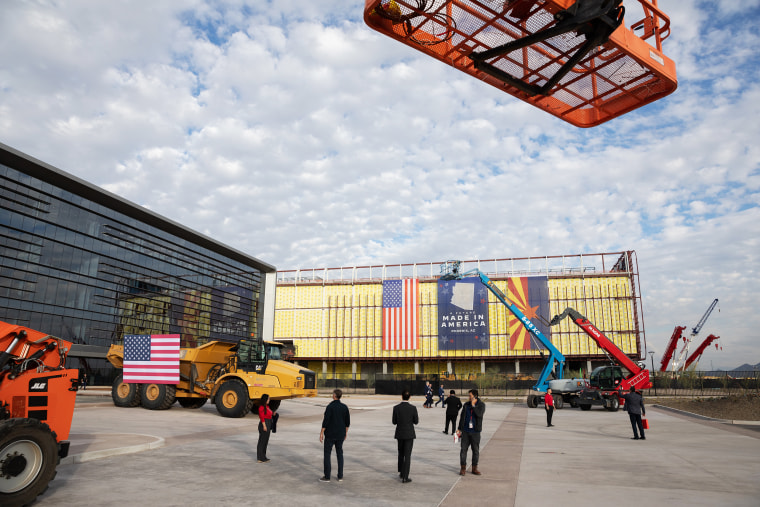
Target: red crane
[672, 345]
[606, 382]
[694, 358]
[679, 363]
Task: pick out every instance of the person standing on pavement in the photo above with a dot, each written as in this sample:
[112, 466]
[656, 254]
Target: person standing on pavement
[265, 429]
[634, 405]
[453, 406]
[441, 394]
[549, 406]
[405, 417]
[470, 426]
[334, 431]
[428, 395]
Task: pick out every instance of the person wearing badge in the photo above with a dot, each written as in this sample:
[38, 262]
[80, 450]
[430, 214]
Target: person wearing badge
[470, 426]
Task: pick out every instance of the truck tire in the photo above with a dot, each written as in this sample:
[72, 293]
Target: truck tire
[274, 404]
[613, 404]
[124, 394]
[585, 406]
[28, 457]
[559, 402]
[192, 402]
[157, 396]
[232, 399]
[574, 401]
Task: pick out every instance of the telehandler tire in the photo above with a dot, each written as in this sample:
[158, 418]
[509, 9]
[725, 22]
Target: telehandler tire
[124, 394]
[28, 457]
[157, 396]
[613, 404]
[585, 406]
[232, 399]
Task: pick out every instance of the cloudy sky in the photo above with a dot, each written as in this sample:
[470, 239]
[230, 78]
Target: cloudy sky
[291, 131]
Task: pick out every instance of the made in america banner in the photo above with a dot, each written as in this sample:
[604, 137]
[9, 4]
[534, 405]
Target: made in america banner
[462, 315]
[531, 295]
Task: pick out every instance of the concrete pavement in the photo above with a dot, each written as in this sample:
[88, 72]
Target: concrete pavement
[195, 457]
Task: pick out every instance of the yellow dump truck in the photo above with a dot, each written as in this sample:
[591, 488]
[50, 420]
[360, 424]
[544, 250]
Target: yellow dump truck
[233, 376]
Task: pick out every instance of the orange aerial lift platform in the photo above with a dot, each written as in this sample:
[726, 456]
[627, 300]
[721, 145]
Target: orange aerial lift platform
[575, 59]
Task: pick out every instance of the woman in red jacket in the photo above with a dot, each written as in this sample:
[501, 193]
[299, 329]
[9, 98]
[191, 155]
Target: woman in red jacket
[265, 429]
[549, 405]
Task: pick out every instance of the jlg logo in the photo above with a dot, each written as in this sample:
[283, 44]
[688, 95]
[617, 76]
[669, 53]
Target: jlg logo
[38, 385]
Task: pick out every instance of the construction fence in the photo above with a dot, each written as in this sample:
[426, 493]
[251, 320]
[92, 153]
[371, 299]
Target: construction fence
[688, 384]
[698, 384]
[395, 383]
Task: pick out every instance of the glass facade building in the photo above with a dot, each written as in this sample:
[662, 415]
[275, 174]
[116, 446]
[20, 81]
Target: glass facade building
[87, 266]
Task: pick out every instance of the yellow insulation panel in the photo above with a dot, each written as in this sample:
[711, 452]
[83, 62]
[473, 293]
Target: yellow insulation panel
[344, 321]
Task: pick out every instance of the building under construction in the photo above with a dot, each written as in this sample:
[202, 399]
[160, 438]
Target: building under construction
[339, 321]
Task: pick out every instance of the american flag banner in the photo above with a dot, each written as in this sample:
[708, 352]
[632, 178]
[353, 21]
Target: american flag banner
[151, 359]
[401, 314]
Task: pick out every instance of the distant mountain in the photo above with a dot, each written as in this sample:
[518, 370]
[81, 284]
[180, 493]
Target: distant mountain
[748, 367]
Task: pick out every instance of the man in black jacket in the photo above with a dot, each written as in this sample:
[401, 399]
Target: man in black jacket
[453, 406]
[470, 426]
[405, 417]
[334, 431]
[634, 405]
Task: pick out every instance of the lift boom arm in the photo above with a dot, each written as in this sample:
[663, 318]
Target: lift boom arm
[680, 363]
[700, 350]
[672, 345]
[451, 272]
[604, 343]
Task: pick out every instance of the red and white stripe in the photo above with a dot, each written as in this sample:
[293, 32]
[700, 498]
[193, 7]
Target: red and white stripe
[163, 367]
[401, 324]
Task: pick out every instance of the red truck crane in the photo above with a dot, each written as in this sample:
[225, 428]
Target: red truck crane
[37, 396]
[671, 349]
[700, 350]
[607, 383]
[680, 364]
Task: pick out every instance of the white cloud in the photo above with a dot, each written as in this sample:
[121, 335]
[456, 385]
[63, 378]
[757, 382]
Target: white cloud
[294, 133]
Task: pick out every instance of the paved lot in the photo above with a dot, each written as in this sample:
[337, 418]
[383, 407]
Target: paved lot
[195, 457]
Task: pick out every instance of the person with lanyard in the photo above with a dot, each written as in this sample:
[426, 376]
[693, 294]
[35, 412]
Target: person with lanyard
[265, 429]
[470, 426]
[549, 406]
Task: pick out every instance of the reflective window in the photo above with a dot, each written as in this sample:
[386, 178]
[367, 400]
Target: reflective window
[76, 269]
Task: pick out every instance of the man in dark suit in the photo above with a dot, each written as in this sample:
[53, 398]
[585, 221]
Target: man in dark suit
[634, 405]
[453, 406]
[405, 417]
[335, 425]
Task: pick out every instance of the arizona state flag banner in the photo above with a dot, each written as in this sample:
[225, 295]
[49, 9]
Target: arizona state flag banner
[462, 315]
[401, 314]
[531, 296]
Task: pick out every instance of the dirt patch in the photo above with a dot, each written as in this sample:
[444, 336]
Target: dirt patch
[739, 408]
